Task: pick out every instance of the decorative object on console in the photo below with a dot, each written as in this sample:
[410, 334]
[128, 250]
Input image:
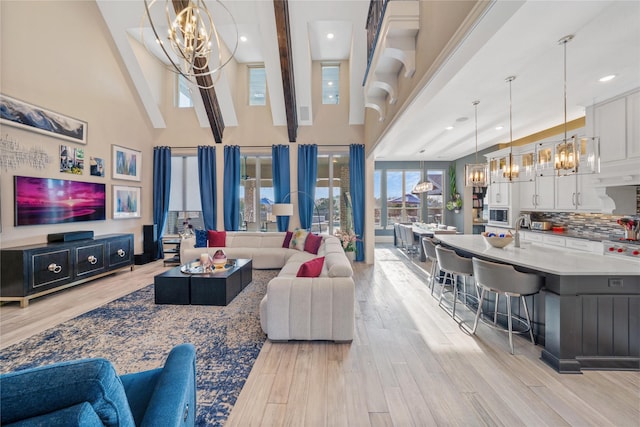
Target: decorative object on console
[192, 34]
[27, 116]
[126, 202]
[497, 241]
[127, 163]
[475, 175]
[70, 236]
[56, 201]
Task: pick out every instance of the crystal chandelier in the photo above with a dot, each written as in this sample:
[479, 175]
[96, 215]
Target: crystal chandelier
[475, 175]
[510, 170]
[192, 40]
[422, 186]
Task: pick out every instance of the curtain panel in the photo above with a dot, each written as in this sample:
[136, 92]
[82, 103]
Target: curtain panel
[356, 186]
[281, 180]
[231, 200]
[207, 180]
[161, 191]
[307, 176]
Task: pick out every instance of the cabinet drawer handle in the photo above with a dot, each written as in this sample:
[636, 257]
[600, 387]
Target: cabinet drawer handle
[55, 268]
[121, 253]
[92, 260]
[573, 199]
[533, 199]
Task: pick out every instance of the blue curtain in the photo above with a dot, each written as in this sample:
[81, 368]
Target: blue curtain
[207, 180]
[281, 180]
[231, 187]
[161, 190]
[307, 175]
[356, 178]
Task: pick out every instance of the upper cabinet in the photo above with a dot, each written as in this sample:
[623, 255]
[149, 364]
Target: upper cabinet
[633, 125]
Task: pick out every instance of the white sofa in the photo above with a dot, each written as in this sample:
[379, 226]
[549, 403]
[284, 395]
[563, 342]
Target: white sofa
[295, 308]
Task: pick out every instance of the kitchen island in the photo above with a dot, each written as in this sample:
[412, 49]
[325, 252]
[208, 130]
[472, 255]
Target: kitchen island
[587, 316]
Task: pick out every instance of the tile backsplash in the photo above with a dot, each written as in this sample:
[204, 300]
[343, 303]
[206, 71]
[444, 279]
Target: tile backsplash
[599, 225]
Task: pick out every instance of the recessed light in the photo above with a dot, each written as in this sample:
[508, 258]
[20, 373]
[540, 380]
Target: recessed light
[330, 36]
[499, 127]
[330, 83]
[462, 119]
[607, 78]
[422, 151]
[243, 38]
[449, 127]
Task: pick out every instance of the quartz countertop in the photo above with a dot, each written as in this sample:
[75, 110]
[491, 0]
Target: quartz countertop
[546, 259]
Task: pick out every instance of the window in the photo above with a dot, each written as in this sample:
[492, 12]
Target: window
[184, 199]
[256, 193]
[183, 93]
[402, 206]
[330, 84]
[257, 86]
[332, 195]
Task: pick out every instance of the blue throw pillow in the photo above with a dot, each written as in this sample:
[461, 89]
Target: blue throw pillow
[201, 238]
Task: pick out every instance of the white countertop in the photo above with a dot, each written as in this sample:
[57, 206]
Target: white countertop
[552, 260]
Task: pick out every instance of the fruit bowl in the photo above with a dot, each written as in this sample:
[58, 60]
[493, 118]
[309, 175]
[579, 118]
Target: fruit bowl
[496, 241]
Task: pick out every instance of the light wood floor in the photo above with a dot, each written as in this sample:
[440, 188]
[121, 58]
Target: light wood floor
[410, 363]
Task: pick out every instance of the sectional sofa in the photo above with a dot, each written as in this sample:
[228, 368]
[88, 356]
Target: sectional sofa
[294, 308]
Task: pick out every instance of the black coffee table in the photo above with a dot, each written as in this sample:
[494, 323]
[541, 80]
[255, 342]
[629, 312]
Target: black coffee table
[216, 288]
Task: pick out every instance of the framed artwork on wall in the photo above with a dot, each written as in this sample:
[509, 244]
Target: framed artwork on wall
[126, 163]
[20, 114]
[126, 202]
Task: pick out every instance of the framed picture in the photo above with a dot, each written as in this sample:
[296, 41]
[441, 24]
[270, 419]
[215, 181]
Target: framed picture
[20, 114]
[96, 167]
[126, 163]
[71, 160]
[126, 202]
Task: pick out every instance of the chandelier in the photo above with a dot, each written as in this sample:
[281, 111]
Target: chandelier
[566, 157]
[475, 175]
[193, 45]
[422, 186]
[510, 170]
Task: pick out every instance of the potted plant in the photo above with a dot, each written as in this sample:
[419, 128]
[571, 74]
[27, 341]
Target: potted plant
[348, 240]
[455, 201]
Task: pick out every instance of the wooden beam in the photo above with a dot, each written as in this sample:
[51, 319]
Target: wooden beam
[281, 9]
[209, 98]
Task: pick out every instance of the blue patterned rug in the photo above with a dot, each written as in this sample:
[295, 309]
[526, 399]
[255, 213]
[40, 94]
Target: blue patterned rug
[135, 334]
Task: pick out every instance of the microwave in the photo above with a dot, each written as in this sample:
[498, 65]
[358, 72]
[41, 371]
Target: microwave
[500, 217]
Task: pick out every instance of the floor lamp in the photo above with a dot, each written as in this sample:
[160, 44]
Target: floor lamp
[286, 209]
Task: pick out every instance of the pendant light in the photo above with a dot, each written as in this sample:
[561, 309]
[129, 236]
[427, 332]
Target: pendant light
[424, 185]
[510, 169]
[571, 151]
[475, 175]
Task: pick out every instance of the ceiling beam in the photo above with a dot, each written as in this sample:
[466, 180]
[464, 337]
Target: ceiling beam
[209, 98]
[281, 10]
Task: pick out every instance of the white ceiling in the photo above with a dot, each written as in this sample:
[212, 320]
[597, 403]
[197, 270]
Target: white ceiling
[513, 38]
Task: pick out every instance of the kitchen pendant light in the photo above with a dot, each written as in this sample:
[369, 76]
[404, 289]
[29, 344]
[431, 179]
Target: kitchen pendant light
[574, 155]
[510, 169]
[475, 175]
[422, 186]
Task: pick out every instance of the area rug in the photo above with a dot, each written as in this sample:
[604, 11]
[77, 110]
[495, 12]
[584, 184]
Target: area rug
[135, 334]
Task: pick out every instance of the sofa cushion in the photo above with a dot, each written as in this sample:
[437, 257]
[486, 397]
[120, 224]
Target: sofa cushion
[201, 238]
[311, 268]
[312, 244]
[67, 384]
[299, 238]
[217, 239]
[287, 239]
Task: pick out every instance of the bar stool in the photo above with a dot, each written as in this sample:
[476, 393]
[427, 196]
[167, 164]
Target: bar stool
[407, 236]
[453, 265]
[429, 248]
[506, 280]
[399, 237]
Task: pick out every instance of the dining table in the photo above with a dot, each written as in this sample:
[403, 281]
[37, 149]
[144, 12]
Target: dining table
[421, 230]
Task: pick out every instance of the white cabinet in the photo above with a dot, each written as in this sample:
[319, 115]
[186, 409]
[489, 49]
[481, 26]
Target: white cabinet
[576, 192]
[499, 194]
[537, 194]
[633, 125]
[617, 123]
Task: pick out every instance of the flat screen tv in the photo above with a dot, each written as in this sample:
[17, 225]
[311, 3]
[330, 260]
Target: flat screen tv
[56, 201]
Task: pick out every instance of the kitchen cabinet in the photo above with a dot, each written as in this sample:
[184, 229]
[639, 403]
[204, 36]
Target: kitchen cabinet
[499, 194]
[538, 194]
[633, 125]
[576, 192]
[616, 123]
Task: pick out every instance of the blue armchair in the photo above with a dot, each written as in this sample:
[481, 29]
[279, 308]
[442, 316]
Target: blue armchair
[88, 392]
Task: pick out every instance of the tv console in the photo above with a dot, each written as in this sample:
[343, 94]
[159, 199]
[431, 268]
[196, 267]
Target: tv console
[32, 271]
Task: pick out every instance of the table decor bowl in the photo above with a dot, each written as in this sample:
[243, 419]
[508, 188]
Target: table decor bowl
[497, 241]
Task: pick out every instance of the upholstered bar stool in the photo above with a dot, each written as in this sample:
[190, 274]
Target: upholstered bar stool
[407, 236]
[399, 236]
[506, 280]
[429, 248]
[453, 265]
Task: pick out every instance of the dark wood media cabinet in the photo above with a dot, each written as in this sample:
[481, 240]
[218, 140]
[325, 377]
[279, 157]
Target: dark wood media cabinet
[31, 271]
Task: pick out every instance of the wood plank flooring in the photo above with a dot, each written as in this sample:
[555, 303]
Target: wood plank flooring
[409, 364]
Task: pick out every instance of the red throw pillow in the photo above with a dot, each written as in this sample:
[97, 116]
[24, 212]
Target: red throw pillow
[312, 244]
[311, 268]
[287, 239]
[217, 239]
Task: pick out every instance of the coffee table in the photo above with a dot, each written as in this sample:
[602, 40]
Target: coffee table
[215, 288]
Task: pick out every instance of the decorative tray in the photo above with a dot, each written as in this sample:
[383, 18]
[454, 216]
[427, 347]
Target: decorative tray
[196, 268]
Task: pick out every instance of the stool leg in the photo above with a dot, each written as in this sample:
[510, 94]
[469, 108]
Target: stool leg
[431, 278]
[444, 282]
[510, 325]
[436, 270]
[475, 323]
[464, 286]
[455, 294]
[495, 309]
[526, 313]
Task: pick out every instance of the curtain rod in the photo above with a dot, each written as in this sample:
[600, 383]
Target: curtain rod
[259, 146]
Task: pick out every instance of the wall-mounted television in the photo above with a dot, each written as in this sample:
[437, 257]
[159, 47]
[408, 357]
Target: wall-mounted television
[56, 201]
